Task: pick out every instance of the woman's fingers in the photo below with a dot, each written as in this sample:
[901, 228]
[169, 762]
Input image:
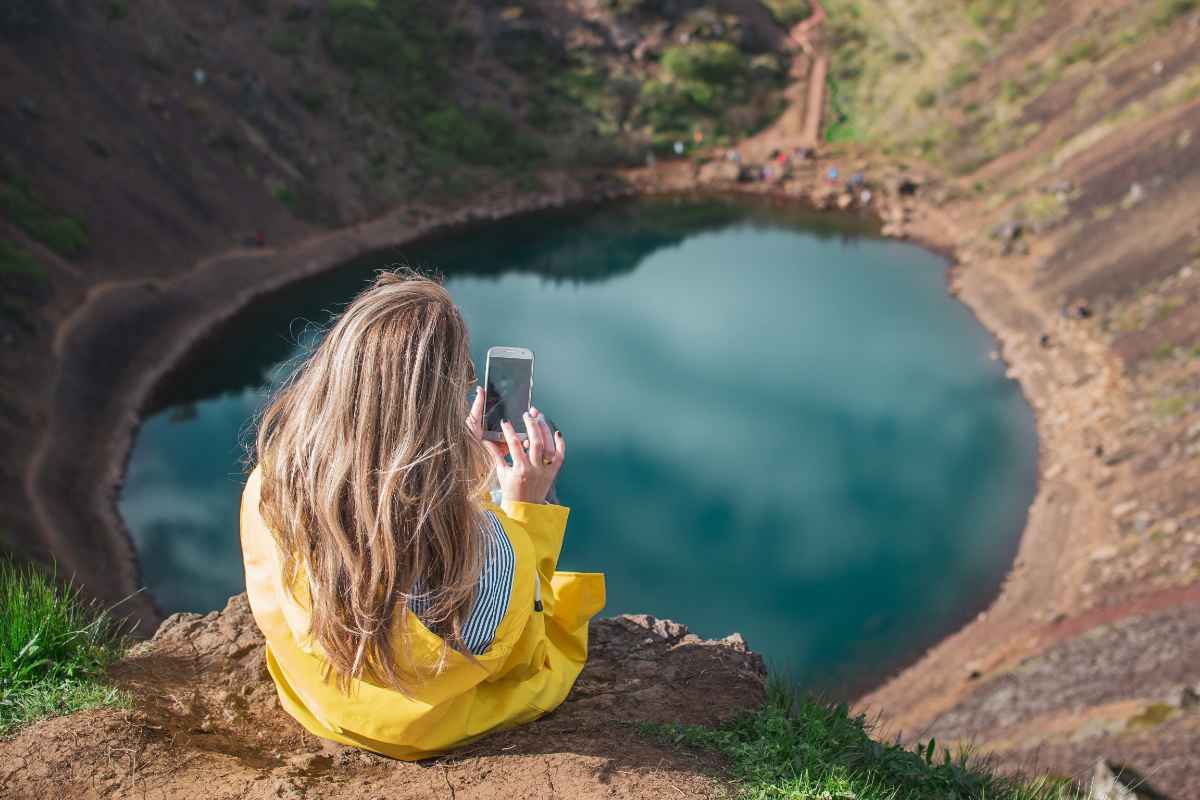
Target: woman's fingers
[475, 418]
[560, 449]
[547, 434]
[519, 458]
[536, 445]
[497, 452]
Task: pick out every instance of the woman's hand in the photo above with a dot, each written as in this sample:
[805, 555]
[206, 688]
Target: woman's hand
[529, 478]
[475, 418]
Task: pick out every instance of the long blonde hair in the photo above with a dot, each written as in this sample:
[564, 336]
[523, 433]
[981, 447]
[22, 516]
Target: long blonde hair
[371, 479]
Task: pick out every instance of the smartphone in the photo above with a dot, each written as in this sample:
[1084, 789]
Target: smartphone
[508, 386]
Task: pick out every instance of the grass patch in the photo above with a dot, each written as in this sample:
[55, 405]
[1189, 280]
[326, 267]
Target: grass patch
[796, 748]
[311, 98]
[396, 50]
[1042, 211]
[841, 127]
[960, 76]
[485, 137]
[710, 86]
[286, 196]
[1083, 50]
[287, 41]
[1151, 716]
[1170, 10]
[54, 649]
[61, 232]
[1173, 406]
[1001, 16]
[789, 12]
[16, 260]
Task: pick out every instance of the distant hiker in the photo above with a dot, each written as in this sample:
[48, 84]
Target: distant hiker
[832, 174]
[1044, 340]
[678, 148]
[405, 613]
[864, 197]
[857, 180]
[698, 137]
[650, 159]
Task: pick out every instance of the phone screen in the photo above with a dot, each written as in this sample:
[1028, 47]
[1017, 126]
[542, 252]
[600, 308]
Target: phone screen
[509, 386]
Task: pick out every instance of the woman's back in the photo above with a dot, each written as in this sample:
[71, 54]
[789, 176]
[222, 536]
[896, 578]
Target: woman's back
[402, 613]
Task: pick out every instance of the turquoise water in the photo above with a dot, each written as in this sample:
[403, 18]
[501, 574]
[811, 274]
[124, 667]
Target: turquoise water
[779, 424]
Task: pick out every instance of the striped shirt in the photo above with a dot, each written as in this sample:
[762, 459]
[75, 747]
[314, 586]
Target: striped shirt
[492, 593]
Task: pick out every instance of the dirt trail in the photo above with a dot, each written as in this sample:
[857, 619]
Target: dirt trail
[816, 102]
[800, 123]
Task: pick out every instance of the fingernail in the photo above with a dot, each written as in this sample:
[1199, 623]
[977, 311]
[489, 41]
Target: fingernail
[533, 412]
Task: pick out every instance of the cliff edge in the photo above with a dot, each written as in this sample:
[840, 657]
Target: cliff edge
[204, 722]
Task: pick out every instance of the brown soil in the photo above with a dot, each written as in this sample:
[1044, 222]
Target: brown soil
[206, 723]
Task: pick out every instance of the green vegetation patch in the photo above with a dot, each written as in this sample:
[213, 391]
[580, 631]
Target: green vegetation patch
[797, 748]
[54, 649]
[396, 50]
[1151, 716]
[1083, 50]
[710, 86]
[16, 260]
[482, 137]
[789, 12]
[61, 232]
[287, 41]
[1002, 16]
[1170, 10]
[711, 63]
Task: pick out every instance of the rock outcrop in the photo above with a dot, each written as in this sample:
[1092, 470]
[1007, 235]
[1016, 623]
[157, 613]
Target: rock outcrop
[205, 722]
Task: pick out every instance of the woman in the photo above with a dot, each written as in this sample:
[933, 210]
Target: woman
[404, 613]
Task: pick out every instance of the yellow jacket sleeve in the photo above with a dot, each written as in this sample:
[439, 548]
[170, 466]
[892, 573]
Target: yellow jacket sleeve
[545, 525]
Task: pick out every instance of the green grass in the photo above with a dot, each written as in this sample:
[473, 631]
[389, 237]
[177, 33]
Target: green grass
[1082, 50]
[16, 260]
[960, 76]
[486, 136]
[313, 99]
[797, 748]
[61, 232]
[709, 86]
[286, 196]
[789, 12]
[287, 41]
[1170, 10]
[54, 650]
[841, 126]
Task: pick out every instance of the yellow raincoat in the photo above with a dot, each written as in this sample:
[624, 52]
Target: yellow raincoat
[527, 671]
